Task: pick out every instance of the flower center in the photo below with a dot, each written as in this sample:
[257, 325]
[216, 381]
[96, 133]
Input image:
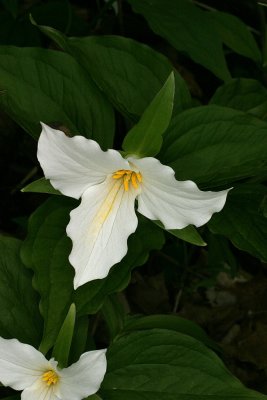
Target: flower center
[128, 176]
[50, 377]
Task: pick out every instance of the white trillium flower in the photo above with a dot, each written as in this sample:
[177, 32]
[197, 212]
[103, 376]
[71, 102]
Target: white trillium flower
[22, 367]
[108, 185]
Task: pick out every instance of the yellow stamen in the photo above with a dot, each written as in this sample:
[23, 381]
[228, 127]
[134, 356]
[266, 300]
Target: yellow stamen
[134, 181]
[50, 377]
[139, 176]
[128, 176]
[126, 179]
[118, 174]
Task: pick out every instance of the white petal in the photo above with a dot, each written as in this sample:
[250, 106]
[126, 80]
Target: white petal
[99, 229]
[40, 391]
[175, 203]
[20, 364]
[84, 377]
[76, 163]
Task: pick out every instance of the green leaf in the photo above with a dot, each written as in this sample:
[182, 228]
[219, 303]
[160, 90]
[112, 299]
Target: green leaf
[166, 365]
[170, 322]
[236, 35]
[242, 220]
[46, 251]
[186, 28]
[113, 314]
[57, 36]
[215, 146]
[61, 349]
[40, 186]
[19, 314]
[58, 91]
[145, 138]
[79, 339]
[243, 94]
[188, 234]
[116, 64]
[90, 297]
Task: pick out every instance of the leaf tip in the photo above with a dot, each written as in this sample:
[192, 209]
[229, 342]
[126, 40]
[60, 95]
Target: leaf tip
[32, 20]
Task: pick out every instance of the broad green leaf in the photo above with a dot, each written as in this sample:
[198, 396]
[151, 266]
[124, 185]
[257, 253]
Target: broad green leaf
[188, 234]
[46, 251]
[242, 220]
[145, 138]
[19, 313]
[170, 322]
[117, 64]
[186, 28]
[40, 186]
[235, 34]
[167, 365]
[49, 86]
[243, 94]
[90, 297]
[61, 349]
[215, 146]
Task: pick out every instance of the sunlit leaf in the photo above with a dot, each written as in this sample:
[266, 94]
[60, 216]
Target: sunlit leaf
[40, 186]
[145, 138]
